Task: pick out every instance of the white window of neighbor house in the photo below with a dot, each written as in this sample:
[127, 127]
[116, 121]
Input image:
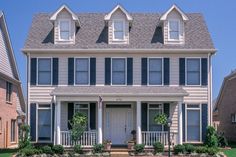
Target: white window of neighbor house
[44, 71]
[82, 71]
[174, 27]
[119, 29]
[155, 71]
[233, 118]
[193, 71]
[64, 27]
[13, 130]
[118, 71]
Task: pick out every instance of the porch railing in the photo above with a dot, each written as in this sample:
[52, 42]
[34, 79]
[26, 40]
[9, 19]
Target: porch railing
[150, 137]
[89, 138]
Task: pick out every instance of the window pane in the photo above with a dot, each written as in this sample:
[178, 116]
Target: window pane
[174, 25]
[193, 64]
[82, 71]
[174, 35]
[193, 125]
[84, 112]
[64, 25]
[155, 78]
[44, 64]
[44, 78]
[118, 78]
[152, 125]
[119, 35]
[118, 26]
[82, 64]
[155, 64]
[118, 64]
[82, 78]
[13, 130]
[118, 71]
[65, 35]
[193, 78]
[44, 124]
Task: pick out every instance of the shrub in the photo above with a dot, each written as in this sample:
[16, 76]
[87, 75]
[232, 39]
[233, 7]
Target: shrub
[98, 148]
[78, 149]
[201, 149]
[212, 151]
[222, 141]
[47, 150]
[29, 151]
[158, 147]
[211, 137]
[58, 149]
[189, 148]
[139, 148]
[24, 139]
[179, 149]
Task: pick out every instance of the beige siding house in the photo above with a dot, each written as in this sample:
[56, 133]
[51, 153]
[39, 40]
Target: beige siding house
[120, 69]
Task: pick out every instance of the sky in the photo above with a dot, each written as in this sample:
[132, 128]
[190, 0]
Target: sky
[220, 16]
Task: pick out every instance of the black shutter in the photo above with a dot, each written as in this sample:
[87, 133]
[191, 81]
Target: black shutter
[167, 113]
[92, 71]
[166, 71]
[144, 71]
[183, 121]
[204, 121]
[33, 122]
[70, 114]
[107, 71]
[129, 71]
[144, 116]
[204, 72]
[70, 71]
[92, 116]
[33, 69]
[53, 119]
[182, 71]
[55, 71]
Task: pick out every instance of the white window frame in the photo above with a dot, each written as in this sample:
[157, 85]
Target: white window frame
[37, 74]
[0, 125]
[113, 28]
[13, 131]
[173, 20]
[233, 121]
[149, 108]
[125, 71]
[88, 108]
[43, 108]
[59, 29]
[186, 70]
[162, 79]
[9, 90]
[199, 108]
[75, 84]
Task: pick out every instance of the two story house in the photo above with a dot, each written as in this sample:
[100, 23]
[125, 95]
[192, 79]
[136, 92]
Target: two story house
[12, 104]
[120, 69]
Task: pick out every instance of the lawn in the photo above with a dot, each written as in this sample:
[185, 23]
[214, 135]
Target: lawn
[231, 152]
[7, 152]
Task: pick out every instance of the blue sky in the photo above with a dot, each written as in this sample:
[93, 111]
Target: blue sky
[219, 16]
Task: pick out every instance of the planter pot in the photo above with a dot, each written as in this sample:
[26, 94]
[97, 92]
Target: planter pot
[107, 146]
[131, 145]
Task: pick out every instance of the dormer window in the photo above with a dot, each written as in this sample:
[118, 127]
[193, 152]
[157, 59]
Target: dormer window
[174, 29]
[64, 26]
[118, 28]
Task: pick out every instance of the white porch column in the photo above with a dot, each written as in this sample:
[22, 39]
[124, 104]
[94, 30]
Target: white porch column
[58, 117]
[138, 123]
[100, 122]
[180, 118]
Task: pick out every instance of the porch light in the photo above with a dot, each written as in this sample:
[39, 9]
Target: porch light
[169, 122]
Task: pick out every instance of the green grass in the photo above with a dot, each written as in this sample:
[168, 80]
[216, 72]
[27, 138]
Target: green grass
[7, 152]
[231, 152]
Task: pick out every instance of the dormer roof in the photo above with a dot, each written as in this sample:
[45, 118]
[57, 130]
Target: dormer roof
[73, 15]
[174, 7]
[128, 16]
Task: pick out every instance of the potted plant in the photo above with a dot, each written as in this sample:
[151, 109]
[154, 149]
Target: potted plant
[131, 144]
[107, 144]
[133, 132]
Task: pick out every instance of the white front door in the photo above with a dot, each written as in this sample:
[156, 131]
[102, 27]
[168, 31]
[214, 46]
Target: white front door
[118, 124]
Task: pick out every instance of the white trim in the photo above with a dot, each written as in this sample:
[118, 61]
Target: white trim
[200, 72]
[113, 29]
[162, 62]
[162, 110]
[75, 84]
[51, 60]
[125, 58]
[174, 20]
[164, 16]
[59, 29]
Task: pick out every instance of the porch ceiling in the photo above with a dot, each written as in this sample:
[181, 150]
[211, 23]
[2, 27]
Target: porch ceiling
[124, 91]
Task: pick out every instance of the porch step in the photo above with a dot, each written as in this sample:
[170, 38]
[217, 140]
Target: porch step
[119, 154]
[119, 150]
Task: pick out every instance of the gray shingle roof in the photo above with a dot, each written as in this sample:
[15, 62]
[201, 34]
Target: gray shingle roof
[93, 34]
[123, 90]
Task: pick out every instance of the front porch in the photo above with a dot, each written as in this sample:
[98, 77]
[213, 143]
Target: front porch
[117, 115]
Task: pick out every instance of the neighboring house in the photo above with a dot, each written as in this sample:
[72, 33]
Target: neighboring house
[224, 113]
[12, 103]
[120, 69]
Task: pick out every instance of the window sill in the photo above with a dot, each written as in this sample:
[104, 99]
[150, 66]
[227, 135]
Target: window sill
[9, 102]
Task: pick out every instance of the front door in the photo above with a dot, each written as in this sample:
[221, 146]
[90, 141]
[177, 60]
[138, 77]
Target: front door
[118, 123]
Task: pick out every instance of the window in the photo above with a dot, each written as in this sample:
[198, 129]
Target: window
[173, 29]
[64, 30]
[13, 130]
[193, 123]
[118, 71]
[44, 71]
[8, 91]
[44, 122]
[153, 110]
[233, 118]
[118, 26]
[0, 124]
[82, 71]
[84, 109]
[193, 71]
[155, 71]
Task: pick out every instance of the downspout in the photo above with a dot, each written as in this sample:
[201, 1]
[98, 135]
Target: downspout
[27, 89]
[210, 87]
